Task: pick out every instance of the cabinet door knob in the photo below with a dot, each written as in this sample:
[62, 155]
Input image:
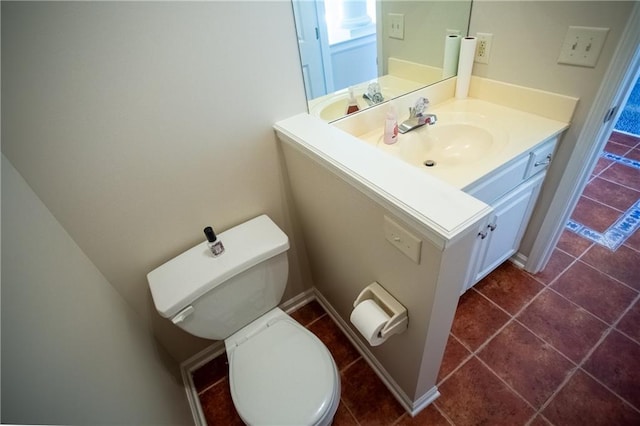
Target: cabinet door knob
[482, 235]
[492, 226]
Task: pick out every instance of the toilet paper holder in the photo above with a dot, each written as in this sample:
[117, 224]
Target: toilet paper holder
[398, 321]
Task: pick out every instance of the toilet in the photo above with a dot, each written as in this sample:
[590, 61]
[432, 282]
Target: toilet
[279, 372]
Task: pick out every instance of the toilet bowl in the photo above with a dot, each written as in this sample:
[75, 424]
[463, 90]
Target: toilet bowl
[279, 372]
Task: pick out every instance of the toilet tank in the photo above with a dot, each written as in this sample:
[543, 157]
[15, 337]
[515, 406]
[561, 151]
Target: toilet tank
[213, 297]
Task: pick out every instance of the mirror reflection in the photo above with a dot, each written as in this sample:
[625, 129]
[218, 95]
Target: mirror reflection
[358, 53]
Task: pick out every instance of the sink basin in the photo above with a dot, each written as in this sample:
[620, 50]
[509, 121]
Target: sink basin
[457, 139]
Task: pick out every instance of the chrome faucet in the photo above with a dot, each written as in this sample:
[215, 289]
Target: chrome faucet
[417, 117]
[373, 95]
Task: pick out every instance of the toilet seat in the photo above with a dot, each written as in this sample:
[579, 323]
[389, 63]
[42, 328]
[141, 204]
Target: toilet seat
[283, 375]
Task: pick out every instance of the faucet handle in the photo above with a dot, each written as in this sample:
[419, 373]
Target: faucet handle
[421, 105]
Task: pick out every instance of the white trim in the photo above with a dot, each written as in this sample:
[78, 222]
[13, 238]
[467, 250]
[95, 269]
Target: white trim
[187, 367]
[519, 259]
[613, 91]
[410, 406]
[216, 349]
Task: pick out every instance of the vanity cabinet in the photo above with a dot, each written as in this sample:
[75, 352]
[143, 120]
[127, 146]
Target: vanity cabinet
[512, 191]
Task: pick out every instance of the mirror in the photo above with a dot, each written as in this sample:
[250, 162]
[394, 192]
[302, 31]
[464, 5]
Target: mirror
[398, 45]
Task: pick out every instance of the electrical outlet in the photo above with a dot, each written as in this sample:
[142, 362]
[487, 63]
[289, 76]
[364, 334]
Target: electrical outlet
[483, 47]
[582, 46]
[396, 25]
[403, 240]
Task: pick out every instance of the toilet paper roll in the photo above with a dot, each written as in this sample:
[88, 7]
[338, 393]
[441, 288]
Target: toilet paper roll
[465, 66]
[369, 319]
[451, 55]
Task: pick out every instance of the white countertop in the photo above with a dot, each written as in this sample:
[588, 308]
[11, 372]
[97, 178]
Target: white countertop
[348, 147]
[522, 131]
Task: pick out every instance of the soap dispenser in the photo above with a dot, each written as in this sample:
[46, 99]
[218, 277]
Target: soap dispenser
[391, 126]
[352, 106]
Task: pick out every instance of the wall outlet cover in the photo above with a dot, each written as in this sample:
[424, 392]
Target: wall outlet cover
[483, 47]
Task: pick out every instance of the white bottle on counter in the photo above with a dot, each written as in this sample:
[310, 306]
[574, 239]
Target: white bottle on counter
[391, 126]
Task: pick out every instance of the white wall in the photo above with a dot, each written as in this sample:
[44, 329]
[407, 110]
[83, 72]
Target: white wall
[138, 124]
[73, 352]
[527, 37]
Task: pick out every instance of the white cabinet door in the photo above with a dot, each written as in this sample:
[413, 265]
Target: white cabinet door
[504, 231]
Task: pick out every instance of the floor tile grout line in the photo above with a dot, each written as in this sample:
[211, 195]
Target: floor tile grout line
[586, 357]
[620, 159]
[575, 366]
[606, 334]
[552, 281]
[216, 383]
[346, 367]
[612, 230]
[515, 319]
[460, 364]
[604, 150]
[315, 320]
[607, 325]
[579, 258]
[346, 407]
[444, 413]
[637, 250]
[507, 384]
[617, 183]
[618, 280]
[598, 176]
[607, 205]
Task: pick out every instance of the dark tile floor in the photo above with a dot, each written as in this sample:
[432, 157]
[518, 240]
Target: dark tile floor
[561, 347]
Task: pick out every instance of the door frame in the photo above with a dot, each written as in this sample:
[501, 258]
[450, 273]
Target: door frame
[613, 92]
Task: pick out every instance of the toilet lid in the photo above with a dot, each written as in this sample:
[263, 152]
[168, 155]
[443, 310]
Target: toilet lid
[283, 375]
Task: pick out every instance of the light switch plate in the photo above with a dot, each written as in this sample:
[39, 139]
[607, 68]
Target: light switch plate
[403, 240]
[582, 46]
[396, 25]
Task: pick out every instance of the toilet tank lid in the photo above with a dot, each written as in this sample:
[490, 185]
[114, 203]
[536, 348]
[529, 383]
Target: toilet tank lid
[191, 274]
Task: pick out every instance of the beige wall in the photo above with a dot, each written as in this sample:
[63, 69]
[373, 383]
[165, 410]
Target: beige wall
[425, 27]
[527, 37]
[138, 124]
[344, 235]
[73, 351]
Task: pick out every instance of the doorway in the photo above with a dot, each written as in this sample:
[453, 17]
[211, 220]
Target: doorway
[608, 211]
[616, 87]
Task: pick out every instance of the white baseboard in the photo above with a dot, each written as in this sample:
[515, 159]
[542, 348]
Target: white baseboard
[519, 259]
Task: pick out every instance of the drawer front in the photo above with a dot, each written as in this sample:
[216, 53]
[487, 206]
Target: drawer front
[493, 187]
[540, 158]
